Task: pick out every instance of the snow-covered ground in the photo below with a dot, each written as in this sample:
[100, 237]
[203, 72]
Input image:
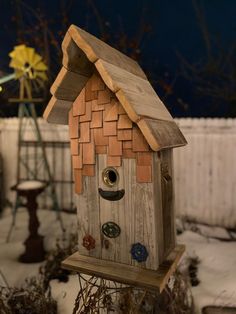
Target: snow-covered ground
[217, 268]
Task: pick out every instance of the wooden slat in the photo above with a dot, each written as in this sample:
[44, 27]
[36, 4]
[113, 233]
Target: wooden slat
[104, 97]
[74, 147]
[111, 113]
[88, 170]
[124, 135]
[96, 121]
[127, 144]
[78, 181]
[144, 158]
[149, 279]
[89, 94]
[77, 161]
[88, 153]
[88, 112]
[73, 125]
[144, 174]
[109, 128]
[139, 142]
[68, 85]
[79, 104]
[115, 147]
[97, 83]
[84, 132]
[148, 134]
[166, 133]
[128, 153]
[74, 59]
[96, 107]
[99, 138]
[114, 161]
[101, 149]
[57, 111]
[124, 122]
[133, 92]
[158, 214]
[96, 49]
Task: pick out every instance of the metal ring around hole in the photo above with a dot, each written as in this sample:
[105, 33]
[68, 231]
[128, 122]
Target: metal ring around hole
[105, 176]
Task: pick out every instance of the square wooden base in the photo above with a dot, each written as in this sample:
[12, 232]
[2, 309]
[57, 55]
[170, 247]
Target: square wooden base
[130, 275]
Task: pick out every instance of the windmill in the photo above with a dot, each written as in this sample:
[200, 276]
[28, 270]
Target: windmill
[30, 71]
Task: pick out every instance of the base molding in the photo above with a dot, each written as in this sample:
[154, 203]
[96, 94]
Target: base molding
[130, 275]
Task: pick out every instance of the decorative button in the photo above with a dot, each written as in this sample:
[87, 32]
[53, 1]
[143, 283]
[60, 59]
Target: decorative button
[139, 252]
[111, 229]
[89, 242]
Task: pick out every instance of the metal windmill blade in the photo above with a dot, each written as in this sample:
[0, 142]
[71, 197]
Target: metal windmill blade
[29, 68]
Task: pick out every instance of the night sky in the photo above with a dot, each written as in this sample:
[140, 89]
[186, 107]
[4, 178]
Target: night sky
[173, 34]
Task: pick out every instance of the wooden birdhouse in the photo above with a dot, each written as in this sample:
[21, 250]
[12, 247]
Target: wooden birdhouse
[121, 137]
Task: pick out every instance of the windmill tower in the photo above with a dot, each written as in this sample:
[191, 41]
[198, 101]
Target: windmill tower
[30, 71]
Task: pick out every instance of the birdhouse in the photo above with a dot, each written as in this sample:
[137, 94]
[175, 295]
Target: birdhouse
[121, 140]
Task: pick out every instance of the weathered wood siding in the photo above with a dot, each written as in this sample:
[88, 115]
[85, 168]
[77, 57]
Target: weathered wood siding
[167, 186]
[134, 213]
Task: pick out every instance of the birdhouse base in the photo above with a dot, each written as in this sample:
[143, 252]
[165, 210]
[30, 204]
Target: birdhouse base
[130, 275]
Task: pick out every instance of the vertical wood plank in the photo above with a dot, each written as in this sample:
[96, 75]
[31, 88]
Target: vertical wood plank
[89, 215]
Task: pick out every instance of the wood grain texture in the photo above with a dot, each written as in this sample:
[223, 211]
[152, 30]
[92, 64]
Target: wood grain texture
[84, 132]
[166, 133]
[137, 91]
[79, 104]
[88, 153]
[74, 147]
[124, 122]
[144, 158]
[124, 135]
[169, 238]
[97, 120]
[148, 279]
[109, 128]
[104, 96]
[128, 153]
[144, 174]
[114, 147]
[101, 149]
[99, 138]
[77, 162]
[78, 181]
[89, 215]
[139, 142]
[114, 161]
[158, 215]
[134, 213]
[88, 170]
[57, 111]
[88, 112]
[73, 125]
[68, 85]
[96, 49]
[74, 59]
[111, 114]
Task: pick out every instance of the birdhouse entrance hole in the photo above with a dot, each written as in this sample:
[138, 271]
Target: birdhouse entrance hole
[110, 176]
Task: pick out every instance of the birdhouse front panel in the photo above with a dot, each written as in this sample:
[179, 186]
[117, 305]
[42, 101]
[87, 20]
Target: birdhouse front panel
[113, 169]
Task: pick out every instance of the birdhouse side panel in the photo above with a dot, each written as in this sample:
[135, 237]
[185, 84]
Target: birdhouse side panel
[134, 214]
[169, 232]
[157, 187]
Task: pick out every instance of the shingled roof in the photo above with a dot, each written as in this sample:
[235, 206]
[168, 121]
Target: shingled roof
[82, 55]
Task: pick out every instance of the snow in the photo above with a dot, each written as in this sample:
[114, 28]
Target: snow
[217, 268]
[216, 272]
[30, 185]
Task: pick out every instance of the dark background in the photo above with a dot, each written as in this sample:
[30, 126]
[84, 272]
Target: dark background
[187, 48]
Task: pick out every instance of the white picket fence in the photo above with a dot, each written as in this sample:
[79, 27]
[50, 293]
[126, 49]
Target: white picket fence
[205, 170]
